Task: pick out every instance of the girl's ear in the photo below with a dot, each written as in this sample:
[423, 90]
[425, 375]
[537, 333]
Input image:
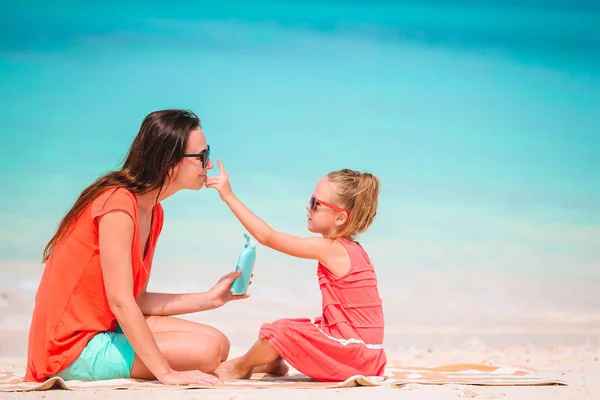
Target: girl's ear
[341, 218]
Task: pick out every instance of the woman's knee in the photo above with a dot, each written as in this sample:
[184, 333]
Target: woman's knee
[207, 352]
[167, 324]
[222, 340]
[224, 344]
[213, 358]
[184, 350]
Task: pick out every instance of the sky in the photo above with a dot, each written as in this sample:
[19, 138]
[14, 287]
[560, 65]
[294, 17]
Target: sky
[481, 118]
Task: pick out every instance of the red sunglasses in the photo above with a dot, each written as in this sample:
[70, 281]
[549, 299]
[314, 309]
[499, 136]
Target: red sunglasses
[314, 202]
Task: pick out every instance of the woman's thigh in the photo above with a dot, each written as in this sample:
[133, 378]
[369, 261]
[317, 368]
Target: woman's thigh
[170, 324]
[184, 350]
[108, 355]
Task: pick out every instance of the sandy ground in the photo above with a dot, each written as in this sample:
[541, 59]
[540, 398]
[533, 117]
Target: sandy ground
[580, 366]
[563, 343]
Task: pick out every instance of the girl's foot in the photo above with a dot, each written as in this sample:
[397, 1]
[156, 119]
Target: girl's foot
[232, 369]
[275, 368]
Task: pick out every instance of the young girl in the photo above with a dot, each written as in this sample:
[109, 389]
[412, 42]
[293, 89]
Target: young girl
[347, 339]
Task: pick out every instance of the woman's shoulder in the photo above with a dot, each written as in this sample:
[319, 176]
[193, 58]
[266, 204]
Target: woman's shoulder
[115, 194]
[112, 199]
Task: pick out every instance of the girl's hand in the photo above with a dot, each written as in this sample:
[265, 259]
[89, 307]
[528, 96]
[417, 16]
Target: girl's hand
[221, 182]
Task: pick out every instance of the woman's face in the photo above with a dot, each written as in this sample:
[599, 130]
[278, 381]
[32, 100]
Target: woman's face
[189, 173]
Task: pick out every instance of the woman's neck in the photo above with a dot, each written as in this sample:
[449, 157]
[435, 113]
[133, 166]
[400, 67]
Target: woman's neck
[147, 201]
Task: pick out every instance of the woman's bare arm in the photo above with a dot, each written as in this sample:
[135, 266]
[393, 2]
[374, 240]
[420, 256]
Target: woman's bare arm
[115, 237]
[152, 303]
[175, 304]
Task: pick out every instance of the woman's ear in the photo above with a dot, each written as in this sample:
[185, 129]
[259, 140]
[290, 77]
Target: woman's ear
[172, 174]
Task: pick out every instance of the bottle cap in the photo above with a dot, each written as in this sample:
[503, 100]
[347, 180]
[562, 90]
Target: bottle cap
[249, 241]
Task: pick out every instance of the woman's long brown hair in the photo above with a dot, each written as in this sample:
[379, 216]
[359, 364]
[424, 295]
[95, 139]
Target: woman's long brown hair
[158, 147]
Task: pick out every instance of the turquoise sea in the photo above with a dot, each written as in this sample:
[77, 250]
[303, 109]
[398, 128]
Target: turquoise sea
[482, 119]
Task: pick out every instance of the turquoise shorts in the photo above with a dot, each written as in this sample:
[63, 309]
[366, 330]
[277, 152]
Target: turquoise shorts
[108, 355]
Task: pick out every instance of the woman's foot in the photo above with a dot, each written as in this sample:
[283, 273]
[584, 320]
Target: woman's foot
[275, 368]
[232, 369]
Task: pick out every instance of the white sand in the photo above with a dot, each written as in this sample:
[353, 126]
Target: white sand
[580, 366]
[439, 331]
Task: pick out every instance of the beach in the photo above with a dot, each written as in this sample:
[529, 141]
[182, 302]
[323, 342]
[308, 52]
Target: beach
[480, 120]
[577, 364]
[444, 329]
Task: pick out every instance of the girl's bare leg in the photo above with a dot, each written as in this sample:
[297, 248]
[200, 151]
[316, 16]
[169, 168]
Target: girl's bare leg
[260, 354]
[275, 368]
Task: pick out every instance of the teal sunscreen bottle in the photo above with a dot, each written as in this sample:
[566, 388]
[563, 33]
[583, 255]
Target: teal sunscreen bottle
[246, 264]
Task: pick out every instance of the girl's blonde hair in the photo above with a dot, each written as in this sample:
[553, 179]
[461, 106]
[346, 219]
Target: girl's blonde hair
[357, 193]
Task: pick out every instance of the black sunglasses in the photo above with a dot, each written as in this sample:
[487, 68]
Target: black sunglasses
[203, 156]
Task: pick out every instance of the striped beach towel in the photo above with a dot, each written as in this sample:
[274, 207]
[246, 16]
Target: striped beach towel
[466, 374]
[469, 374]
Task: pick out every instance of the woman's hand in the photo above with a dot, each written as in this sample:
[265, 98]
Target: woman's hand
[222, 289]
[188, 378]
[220, 182]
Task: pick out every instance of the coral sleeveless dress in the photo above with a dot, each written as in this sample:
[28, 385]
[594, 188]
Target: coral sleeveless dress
[347, 339]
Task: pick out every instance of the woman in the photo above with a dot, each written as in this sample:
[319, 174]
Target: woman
[93, 318]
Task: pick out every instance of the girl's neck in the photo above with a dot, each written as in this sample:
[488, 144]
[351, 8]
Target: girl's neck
[338, 237]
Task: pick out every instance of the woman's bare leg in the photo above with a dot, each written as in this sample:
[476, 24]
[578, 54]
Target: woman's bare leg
[184, 350]
[169, 324]
[260, 353]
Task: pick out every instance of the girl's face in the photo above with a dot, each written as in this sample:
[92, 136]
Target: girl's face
[324, 217]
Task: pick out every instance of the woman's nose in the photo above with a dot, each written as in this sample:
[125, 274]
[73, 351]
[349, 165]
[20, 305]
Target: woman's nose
[210, 164]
